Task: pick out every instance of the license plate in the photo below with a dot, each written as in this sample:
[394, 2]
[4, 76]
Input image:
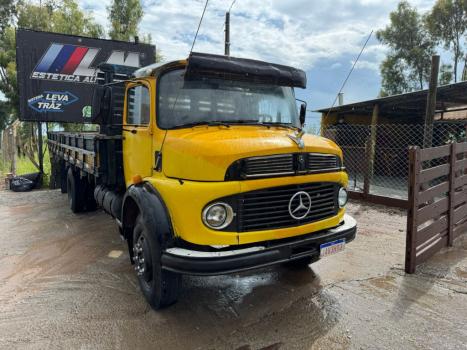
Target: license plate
[330, 248]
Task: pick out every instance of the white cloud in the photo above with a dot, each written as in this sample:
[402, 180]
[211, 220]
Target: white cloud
[325, 35]
[362, 64]
[295, 32]
[336, 65]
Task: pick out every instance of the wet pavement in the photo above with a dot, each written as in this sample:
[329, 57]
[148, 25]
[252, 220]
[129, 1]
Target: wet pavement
[66, 283]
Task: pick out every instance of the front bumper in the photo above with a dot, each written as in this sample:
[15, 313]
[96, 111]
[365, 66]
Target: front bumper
[195, 262]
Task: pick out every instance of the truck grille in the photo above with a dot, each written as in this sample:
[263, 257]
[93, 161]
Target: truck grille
[318, 162]
[283, 165]
[279, 164]
[269, 208]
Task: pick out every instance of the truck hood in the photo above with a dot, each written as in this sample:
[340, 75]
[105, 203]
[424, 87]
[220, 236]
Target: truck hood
[204, 153]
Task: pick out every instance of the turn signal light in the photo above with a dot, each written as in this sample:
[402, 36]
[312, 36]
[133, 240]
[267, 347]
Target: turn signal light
[137, 179]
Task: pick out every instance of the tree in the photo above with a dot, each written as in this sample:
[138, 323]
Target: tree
[147, 39]
[55, 16]
[445, 74]
[62, 16]
[8, 68]
[393, 73]
[5, 115]
[447, 23]
[70, 19]
[7, 8]
[124, 18]
[410, 44]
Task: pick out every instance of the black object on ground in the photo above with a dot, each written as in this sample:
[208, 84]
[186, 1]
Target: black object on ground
[25, 182]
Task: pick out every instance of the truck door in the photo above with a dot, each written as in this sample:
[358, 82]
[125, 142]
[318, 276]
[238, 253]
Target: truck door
[137, 131]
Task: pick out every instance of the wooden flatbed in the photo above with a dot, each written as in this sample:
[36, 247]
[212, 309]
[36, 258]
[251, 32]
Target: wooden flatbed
[95, 154]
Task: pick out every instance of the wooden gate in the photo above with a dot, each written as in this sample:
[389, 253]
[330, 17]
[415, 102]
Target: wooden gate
[437, 211]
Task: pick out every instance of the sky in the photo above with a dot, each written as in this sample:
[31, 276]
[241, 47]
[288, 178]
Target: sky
[321, 37]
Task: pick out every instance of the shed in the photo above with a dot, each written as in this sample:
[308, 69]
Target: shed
[408, 108]
[374, 135]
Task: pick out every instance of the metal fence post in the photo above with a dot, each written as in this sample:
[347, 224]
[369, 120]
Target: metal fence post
[371, 150]
[366, 175]
[414, 188]
[452, 190]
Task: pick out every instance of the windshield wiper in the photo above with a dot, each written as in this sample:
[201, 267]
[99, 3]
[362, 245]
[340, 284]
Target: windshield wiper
[241, 121]
[208, 123]
[257, 122]
[285, 125]
[227, 123]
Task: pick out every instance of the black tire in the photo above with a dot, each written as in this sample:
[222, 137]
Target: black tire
[54, 173]
[63, 178]
[159, 287]
[75, 190]
[301, 263]
[90, 202]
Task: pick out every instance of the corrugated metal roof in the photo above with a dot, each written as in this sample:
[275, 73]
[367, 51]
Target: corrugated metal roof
[413, 103]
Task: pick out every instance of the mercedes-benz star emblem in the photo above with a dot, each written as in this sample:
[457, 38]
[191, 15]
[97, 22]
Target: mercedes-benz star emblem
[300, 205]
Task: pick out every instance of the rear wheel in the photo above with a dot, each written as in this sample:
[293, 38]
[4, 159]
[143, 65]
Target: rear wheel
[63, 178]
[160, 287]
[54, 178]
[90, 202]
[75, 190]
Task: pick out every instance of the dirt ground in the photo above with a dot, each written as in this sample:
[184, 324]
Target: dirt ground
[66, 283]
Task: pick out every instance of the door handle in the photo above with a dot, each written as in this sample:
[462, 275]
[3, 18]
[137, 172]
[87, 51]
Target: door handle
[133, 131]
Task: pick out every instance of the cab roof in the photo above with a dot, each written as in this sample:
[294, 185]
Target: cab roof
[232, 68]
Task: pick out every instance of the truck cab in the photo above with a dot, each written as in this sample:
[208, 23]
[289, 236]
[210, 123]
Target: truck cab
[212, 172]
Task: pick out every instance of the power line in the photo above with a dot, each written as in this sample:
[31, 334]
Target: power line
[348, 75]
[231, 5]
[229, 10]
[199, 25]
[179, 90]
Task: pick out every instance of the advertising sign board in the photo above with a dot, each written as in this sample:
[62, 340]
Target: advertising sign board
[57, 72]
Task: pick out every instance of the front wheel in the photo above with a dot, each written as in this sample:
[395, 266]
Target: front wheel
[160, 287]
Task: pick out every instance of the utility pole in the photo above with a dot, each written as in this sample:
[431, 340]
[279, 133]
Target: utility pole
[227, 34]
[431, 103]
[341, 98]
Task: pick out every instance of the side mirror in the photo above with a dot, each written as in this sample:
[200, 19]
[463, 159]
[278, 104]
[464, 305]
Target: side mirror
[302, 115]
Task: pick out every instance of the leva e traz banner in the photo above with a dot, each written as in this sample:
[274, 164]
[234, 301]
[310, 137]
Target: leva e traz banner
[57, 72]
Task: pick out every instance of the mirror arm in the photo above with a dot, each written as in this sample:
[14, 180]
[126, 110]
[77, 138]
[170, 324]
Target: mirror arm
[302, 101]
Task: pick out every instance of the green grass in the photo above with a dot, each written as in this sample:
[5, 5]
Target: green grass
[25, 166]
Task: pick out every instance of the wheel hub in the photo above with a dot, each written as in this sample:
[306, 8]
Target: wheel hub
[142, 259]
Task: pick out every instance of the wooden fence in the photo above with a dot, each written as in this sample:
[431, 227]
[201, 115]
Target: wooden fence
[437, 211]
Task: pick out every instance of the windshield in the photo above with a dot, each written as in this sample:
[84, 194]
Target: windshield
[183, 103]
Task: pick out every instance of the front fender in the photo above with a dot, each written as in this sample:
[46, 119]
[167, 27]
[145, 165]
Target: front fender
[145, 200]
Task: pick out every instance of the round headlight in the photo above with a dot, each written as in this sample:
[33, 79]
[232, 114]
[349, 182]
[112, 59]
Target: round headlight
[218, 215]
[343, 197]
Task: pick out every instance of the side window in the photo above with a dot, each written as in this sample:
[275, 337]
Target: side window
[138, 105]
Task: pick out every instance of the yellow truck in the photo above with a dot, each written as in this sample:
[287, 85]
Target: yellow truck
[205, 167]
